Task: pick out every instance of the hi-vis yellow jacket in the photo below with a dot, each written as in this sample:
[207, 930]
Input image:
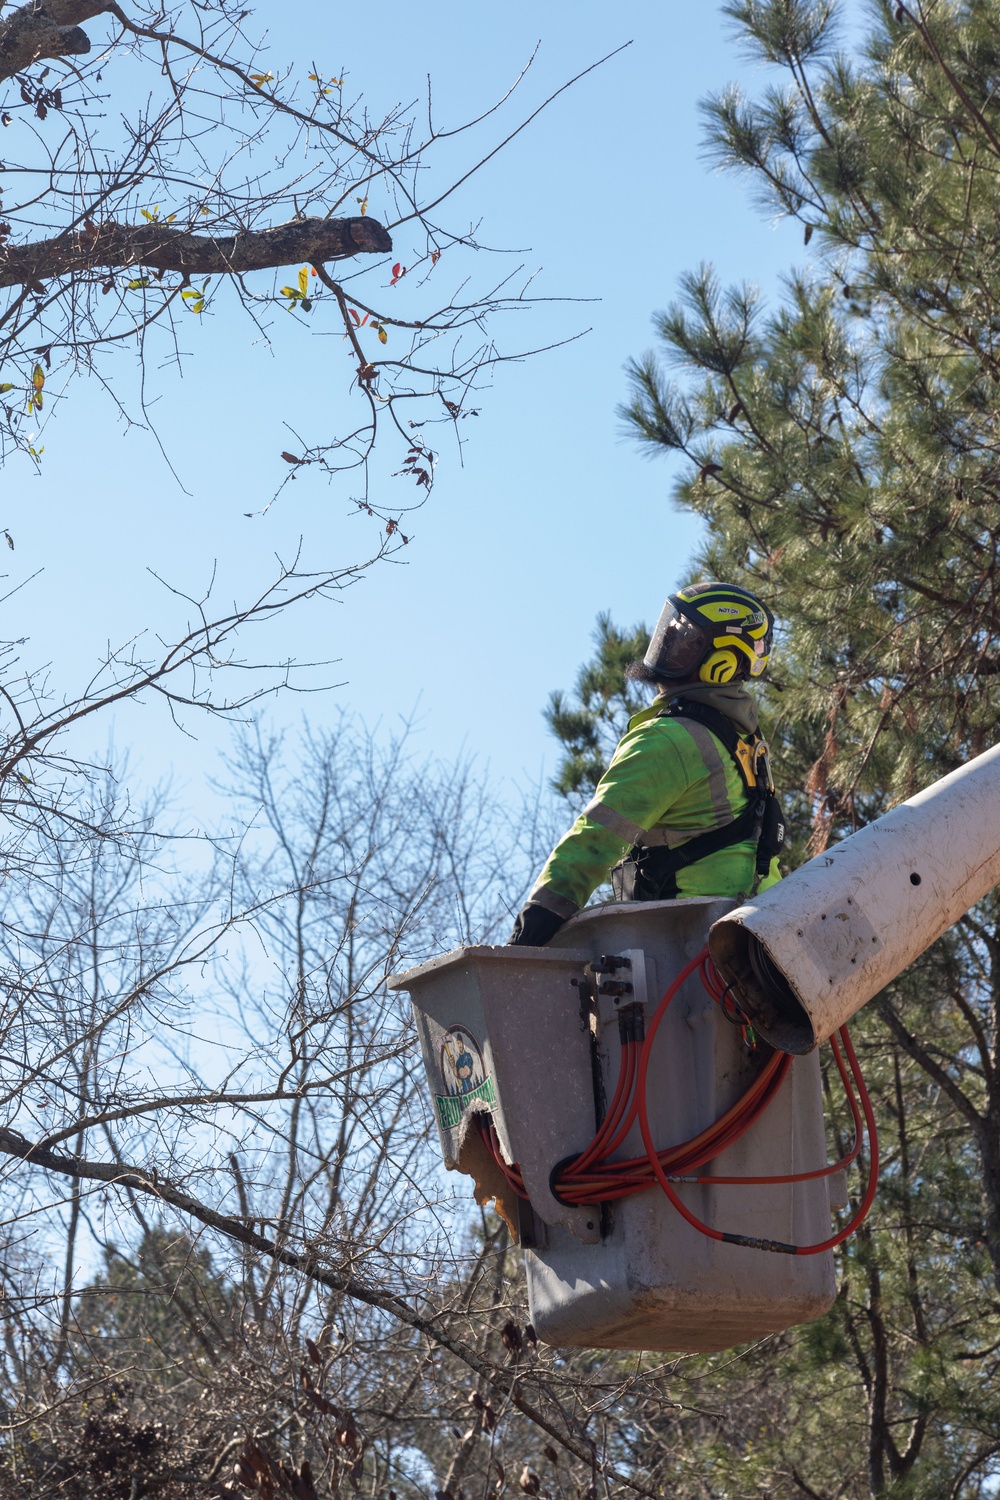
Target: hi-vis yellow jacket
[669, 779]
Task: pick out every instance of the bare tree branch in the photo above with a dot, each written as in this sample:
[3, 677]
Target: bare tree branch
[307, 1264]
[52, 29]
[167, 249]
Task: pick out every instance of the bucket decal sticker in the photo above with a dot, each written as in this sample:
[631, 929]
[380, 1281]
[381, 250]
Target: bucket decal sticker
[464, 1076]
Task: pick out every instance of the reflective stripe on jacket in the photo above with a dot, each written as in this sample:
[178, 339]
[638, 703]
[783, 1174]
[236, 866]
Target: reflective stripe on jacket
[668, 780]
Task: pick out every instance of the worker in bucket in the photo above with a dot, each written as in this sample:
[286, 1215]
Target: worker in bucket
[687, 805]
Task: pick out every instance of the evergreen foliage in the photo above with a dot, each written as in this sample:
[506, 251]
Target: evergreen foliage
[590, 728]
[842, 450]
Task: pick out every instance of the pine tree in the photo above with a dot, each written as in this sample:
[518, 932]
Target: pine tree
[590, 728]
[842, 449]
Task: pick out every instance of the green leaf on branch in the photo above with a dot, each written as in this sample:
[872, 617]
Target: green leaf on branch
[298, 296]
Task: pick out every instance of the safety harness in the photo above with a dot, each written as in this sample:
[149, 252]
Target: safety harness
[648, 872]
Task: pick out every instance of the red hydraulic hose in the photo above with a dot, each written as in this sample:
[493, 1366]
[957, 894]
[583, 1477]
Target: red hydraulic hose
[575, 1169]
[827, 1171]
[749, 1240]
[592, 1178]
[636, 1173]
[609, 1125]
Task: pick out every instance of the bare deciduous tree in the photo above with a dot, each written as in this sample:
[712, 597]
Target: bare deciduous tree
[221, 1080]
[164, 161]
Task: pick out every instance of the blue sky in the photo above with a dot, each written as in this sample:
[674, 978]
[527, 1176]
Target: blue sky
[554, 515]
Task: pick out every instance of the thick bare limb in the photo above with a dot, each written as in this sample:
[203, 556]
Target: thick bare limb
[164, 248]
[51, 29]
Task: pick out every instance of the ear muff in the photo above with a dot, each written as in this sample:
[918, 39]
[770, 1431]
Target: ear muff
[720, 667]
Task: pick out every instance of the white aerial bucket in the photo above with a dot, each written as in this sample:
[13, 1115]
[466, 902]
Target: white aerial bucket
[505, 1034]
[813, 949]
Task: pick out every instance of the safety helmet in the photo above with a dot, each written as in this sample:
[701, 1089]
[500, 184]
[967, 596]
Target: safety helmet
[717, 629]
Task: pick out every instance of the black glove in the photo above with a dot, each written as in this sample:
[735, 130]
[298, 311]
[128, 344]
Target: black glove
[534, 926]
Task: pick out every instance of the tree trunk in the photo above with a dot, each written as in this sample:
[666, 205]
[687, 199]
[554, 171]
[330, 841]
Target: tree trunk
[989, 1152]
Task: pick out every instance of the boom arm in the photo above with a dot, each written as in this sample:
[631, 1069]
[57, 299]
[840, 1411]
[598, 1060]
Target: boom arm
[812, 950]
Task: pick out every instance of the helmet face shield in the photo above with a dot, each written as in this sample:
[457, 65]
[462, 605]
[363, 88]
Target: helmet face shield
[715, 632]
[678, 645]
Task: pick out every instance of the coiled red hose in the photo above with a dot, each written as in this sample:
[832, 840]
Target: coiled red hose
[592, 1177]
